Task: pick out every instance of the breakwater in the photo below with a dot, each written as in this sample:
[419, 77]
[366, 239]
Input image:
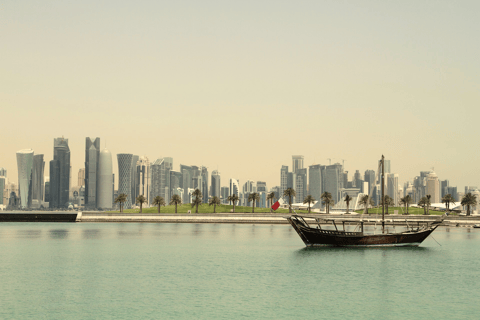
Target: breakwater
[259, 218]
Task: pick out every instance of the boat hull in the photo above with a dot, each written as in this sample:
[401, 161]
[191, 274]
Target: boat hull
[313, 237]
[38, 217]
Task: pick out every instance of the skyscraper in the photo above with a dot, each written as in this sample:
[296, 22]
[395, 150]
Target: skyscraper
[134, 178]
[215, 188]
[234, 187]
[3, 172]
[125, 163]
[315, 181]
[92, 155]
[160, 169]
[301, 184]
[283, 179]
[433, 187]
[25, 166]
[105, 177]
[38, 175]
[204, 173]
[60, 174]
[297, 163]
[3, 182]
[392, 186]
[225, 192]
[261, 186]
[143, 179]
[369, 177]
[334, 180]
[81, 177]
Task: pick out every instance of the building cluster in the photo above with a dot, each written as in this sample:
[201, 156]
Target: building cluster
[137, 175]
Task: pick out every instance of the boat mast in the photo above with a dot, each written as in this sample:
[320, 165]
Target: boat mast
[383, 194]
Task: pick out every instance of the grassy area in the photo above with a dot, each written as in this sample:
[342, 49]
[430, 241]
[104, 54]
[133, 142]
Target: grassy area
[205, 208]
[401, 210]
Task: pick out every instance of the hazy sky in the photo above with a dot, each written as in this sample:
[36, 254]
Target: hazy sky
[244, 85]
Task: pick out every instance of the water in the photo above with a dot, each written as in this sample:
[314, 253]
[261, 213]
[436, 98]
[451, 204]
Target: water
[228, 271]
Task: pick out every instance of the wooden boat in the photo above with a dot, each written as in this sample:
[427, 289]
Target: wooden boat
[321, 236]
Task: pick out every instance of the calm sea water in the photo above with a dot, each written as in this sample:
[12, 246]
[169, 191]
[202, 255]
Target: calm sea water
[228, 271]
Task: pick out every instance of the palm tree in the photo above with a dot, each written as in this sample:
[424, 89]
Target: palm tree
[233, 198]
[159, 201]
[270, 198]
[141, 200]
[290, 193]
[309, 199]
[447, 199]
[214, 201]
[469, 200]
[175, 200]
[198, 199]
[122, 198]
[388, 202]
[406, 201]
[347, 200]
[428, 203]
[253, 197]
[327, 200]
[423, 203]
[365, 201]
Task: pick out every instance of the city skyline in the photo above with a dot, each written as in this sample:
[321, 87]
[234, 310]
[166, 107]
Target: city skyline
[343, 80]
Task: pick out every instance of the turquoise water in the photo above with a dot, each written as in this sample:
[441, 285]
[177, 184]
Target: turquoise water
[228, 271]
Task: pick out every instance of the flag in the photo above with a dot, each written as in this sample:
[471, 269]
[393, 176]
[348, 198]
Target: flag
[278, 204]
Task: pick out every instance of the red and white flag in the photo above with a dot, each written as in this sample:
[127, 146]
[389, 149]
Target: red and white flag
[277, 204]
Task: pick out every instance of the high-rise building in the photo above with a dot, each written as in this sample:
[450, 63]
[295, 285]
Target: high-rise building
[276, 192]
[105, 177]
[301, 184]
[297, 163]
[187, 175]
[234, 187]
[176, 181]
[392, 187]
[453, 192]
[315, 181]
[444, 184]
[369, 177]
[433, 187]
[334, 180]
[225, 192]
[60, 174]
[125, 163]
[134, 178]
[38, 175]
[143, 178]
[283, 179]
[249, 186]
[81, 177]
[3, 182]
[3, 172]
[160, 186]
[25, 168]
[261, 186]
[204, 173]
[92, 156]
[215, 185]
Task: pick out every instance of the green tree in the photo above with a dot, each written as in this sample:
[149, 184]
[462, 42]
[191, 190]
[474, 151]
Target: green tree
[327, 200]
[198, 199]
[388, 202]
[158, 201]
[122, 198]
[428, 203]
[270, 198]
[253, 198]
[406, 202]
[290, 193]
[141, 200]
[365, 201]
[423, 203]
[447, 199]
[175, 200]
[309, 199]
[233, 199]
[347, 200]
[469, 200]
[214, 201]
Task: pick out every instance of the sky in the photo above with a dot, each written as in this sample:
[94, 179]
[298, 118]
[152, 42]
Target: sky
[243, 85]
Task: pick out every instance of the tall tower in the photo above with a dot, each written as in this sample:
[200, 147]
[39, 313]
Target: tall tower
[297, 163]
[143, 178]
[283, 179]
[25, 165]
[125, 177]
[38, 188]
[105, 176]
[433, 187]
[216, 184]
[301, 184]
[92, 155]
[315, 178]
[160, 169]
[60, 174]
